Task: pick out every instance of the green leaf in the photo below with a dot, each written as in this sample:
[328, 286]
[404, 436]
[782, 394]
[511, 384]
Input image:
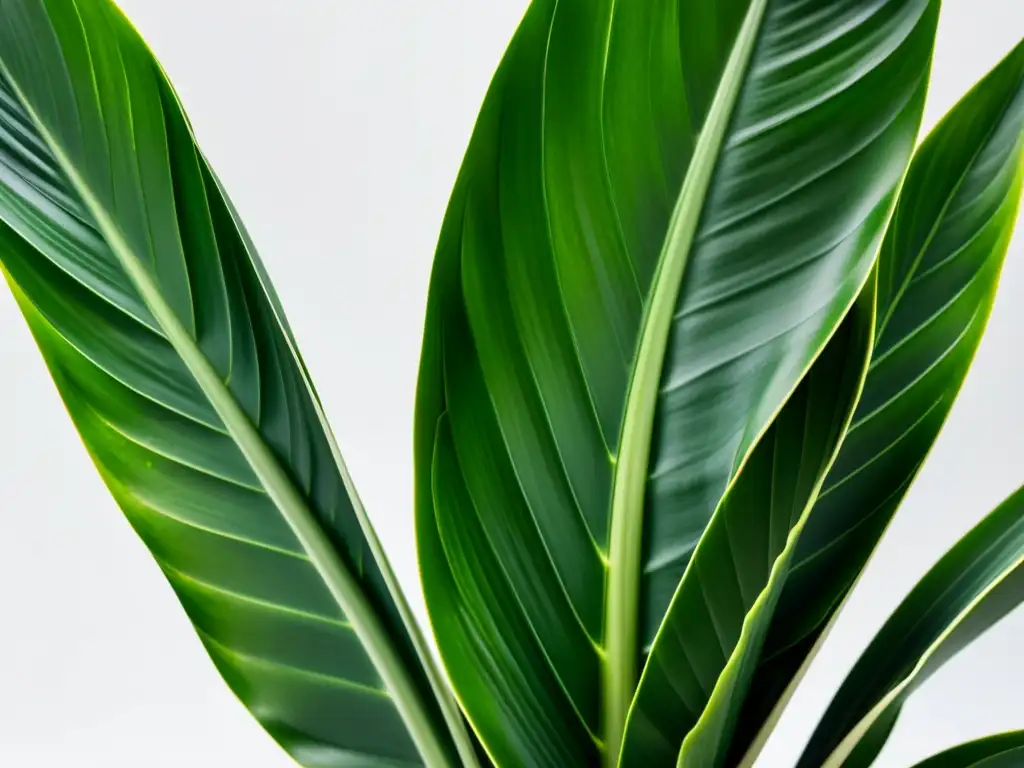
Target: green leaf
[1004, 750]
[939, 270]
[977, 583]
[665, 211]
[173, 357]
[708, 646]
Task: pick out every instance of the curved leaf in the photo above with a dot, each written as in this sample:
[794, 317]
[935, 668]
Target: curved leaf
[1010, 759]
[1004, 750]
[977, 583]
[940, 267]
[664, 213]
[174, 359]
[707, 648]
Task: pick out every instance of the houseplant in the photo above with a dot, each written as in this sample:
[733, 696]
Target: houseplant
[175, 361]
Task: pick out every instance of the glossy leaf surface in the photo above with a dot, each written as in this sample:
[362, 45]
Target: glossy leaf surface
[1004, 750]
[977, 583]
[174, 359]
[665, 211]
[940, 267]
[706, 650]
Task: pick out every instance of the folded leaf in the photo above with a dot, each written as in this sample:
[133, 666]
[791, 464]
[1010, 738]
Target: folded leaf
[977, 583]
[665, 212]
[172, 354]
[1004, 750]
[708, 646]
[939, 269]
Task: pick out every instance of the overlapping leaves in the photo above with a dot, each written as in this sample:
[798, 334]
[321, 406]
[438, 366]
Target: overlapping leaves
[665, 212]
[939, 271]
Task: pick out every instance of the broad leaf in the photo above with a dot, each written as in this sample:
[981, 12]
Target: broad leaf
[940, 267]
[174, 359]
[977, 583]
[665, 212]
[1004, 750]
[707, 648]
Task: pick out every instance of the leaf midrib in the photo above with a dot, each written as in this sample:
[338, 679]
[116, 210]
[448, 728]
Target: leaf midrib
[630, 479]
[341, 584]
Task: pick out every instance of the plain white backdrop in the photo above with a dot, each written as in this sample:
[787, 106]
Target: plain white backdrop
[338, 127]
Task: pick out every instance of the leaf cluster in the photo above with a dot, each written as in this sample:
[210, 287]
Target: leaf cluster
[700, 306]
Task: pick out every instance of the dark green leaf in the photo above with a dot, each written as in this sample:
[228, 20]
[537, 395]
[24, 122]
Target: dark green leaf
[175, 361]
[1014, 758]
[1004, 750]
[939, 269]
[665, 212]
[977, 583]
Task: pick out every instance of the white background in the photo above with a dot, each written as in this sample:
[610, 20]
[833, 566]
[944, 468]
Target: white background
[338, 127]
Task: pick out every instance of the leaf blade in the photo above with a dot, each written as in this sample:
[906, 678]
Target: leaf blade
[132, 289]
[989, 752]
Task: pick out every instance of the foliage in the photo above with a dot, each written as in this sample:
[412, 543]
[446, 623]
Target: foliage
[699, 308]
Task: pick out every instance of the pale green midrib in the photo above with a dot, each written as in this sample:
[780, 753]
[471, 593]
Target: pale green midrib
[445, 700]
[849, 743]
[630, 480]
[780, 567]
[293, 507]
[442, 691]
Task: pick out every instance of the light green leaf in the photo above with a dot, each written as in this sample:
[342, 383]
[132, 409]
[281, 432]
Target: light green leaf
[708, 646]
[977, 583]
[940, 267]
[174, 359]
[1004, 750]
[665, 212]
